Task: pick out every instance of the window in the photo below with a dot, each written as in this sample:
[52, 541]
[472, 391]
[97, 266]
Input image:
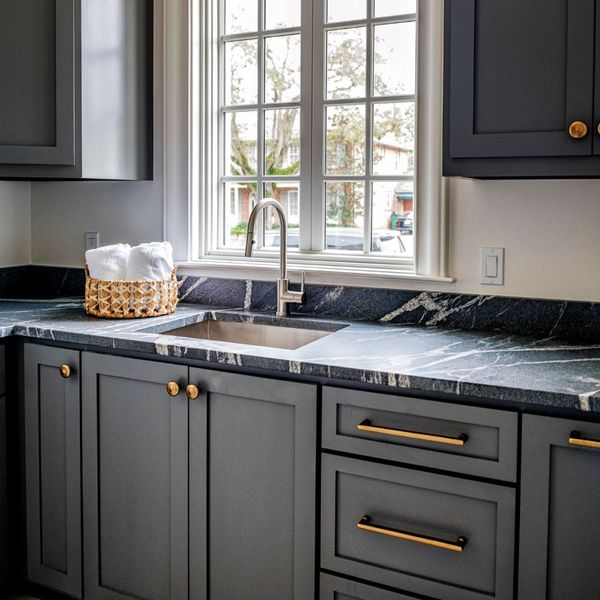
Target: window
[314, 103]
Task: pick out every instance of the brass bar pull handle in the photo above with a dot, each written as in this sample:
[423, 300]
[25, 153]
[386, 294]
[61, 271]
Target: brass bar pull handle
[458, 546]
[461, 440]
[65, 371]
[575, 439]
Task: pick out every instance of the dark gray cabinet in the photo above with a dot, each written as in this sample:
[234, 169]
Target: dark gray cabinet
[213, 494]
[560, 520]
[76, 98]
[518, 75]
[135, 479]
[3, 479]
[253, 462]
[53, 468]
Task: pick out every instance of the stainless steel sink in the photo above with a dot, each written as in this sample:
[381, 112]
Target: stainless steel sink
[253, 334]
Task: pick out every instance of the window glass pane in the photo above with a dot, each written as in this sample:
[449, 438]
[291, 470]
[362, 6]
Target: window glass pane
[241, 16]
[389, 8]
[345, 209]
[394, 138]
[288, 194]
[282, 134]
[346, 10]
[241, 74]
[346, 63]
[345, 140]
[282, 69]
[393, 218]
[240, 142]
[394, 58]
[239, 200]
[282, 13]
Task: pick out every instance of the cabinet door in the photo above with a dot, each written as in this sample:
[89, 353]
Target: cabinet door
[3, 481]
[53, 468]
[254, 448]
[519, 74]
[37, 103]
[135, 474]
[560, 520]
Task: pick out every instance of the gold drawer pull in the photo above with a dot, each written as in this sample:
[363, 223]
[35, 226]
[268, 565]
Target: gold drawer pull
[173, 389]
[578, 130]
[575, 439]
[65, 371]
[192, 392]
[457, 546]
[461, 440]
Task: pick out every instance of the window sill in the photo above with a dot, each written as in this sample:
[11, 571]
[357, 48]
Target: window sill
[330, 273]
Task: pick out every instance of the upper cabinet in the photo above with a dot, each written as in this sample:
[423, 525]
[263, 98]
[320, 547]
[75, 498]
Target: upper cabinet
[77, 89]
[522, 89]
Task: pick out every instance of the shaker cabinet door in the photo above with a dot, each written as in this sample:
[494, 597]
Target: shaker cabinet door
[253, 449]
[560, 520]
[37, 62]
[53, 468]
[135, 493]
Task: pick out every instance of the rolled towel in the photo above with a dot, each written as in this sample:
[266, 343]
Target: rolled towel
[150, 262]
[108, 262]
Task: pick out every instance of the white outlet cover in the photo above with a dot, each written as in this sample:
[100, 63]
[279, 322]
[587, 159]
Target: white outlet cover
[492, 266]
[92, 240]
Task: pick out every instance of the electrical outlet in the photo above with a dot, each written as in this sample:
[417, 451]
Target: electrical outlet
[92, 240]
[492, 266]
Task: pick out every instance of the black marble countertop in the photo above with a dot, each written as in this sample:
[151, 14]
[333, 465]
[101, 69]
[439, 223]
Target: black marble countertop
[521, 371]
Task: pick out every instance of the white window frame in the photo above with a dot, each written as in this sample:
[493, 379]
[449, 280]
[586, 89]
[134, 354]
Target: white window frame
[190, 117]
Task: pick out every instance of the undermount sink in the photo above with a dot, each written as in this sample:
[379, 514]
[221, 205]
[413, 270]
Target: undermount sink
[284, 337]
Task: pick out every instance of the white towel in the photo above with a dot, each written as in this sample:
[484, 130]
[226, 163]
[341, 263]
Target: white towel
[150, 262]
[108, 262]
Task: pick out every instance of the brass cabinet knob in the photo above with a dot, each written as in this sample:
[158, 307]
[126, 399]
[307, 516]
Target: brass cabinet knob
[192, 392]
[578, 130]
[598, 129]
[65, 371]
[173, 389]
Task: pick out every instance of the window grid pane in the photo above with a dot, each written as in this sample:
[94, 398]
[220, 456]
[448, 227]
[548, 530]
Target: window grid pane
[252, 156]
[385, 211]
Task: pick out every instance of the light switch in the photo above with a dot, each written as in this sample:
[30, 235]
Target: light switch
[492, 266]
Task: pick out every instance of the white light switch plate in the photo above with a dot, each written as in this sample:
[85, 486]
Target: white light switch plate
[492, 266]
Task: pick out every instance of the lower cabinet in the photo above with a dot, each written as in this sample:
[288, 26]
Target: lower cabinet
[3, 480]
[53, 468]
[218, 465]
[560, 516]
[337, 588]
[439, 536]
[135, 479]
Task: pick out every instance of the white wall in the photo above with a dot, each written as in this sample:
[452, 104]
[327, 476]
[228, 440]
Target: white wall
[550, 229]
[61, 212]
[15, 223]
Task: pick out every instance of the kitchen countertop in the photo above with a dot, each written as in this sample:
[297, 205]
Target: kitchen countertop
[549, 372]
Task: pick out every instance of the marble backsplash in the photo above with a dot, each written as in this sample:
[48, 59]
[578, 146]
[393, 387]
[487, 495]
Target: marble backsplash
[522, 316]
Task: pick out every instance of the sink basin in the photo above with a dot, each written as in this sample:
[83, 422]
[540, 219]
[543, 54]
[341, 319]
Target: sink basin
[253, 334]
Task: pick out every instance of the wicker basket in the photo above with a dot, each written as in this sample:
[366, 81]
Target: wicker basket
[130, 299]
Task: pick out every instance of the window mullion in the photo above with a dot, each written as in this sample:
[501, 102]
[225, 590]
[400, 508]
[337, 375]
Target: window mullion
[368, 208]
[306, 116]
[260, 138]
[318, 129]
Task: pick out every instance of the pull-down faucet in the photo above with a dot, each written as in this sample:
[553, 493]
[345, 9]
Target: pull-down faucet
[285, 296]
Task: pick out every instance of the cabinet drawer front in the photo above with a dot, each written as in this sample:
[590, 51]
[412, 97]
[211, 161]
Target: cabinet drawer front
[338, 588]
[413, 538]
[440, 435]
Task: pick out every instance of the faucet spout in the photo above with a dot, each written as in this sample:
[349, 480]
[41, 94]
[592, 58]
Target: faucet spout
[285, 296]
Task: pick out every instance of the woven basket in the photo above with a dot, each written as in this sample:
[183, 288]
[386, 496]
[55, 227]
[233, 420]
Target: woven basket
[130, 299]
